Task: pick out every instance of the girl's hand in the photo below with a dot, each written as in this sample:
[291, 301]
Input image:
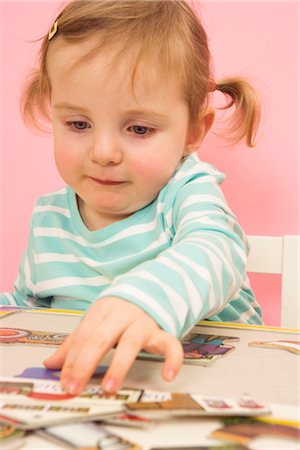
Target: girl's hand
[111, 321]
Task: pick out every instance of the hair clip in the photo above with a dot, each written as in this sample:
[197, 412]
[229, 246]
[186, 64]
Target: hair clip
[212, 85]
[53, 30]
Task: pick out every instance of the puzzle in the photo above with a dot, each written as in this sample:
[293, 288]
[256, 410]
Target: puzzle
[21, 336]
[185, 404]
[291, 346]
[41, 373]
[200, 349]
[34, 403]
[89, 436]
[243, 430]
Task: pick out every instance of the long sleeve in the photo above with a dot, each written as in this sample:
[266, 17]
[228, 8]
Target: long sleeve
[24, 287]
[202, 274]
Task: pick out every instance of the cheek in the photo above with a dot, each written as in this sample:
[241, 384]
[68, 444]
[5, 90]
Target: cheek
[154, 172]
[66, 159]
[60, 156]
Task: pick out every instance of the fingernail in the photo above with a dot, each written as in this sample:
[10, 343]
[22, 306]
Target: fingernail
[109, 385]
[170, 375]
[72, 387]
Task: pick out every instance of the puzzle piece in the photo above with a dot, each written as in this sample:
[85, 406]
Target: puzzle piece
[291, 346]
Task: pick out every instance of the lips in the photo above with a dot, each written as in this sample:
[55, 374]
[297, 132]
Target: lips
[107, 182]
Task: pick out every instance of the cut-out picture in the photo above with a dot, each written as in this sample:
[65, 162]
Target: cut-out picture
[200, 349]
[41, 373]
[291, 346]
[21, 336]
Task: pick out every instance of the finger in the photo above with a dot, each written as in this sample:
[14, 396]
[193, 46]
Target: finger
[57, 359]
[129, 345]
[75, 343]
[86, 352]
[168, 345]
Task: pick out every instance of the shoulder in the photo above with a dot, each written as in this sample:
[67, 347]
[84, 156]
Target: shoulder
[51, 205]
[58, 197]
[192, 168]
[195, 185]
[193, 176]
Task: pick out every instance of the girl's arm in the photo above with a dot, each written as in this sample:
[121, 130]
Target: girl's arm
[23, 294]
[202, 275]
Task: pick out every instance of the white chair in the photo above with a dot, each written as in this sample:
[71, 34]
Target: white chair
[279, 255]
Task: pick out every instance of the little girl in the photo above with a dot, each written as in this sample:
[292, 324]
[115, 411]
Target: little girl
[141, 236]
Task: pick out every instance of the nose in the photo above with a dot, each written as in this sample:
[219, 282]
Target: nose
[105, 150]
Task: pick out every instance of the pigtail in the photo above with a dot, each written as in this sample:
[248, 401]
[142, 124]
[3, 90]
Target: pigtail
[245, 119]
[33, 109]
[34, 101]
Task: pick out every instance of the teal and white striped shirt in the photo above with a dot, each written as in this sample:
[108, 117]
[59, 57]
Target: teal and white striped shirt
[181, 258]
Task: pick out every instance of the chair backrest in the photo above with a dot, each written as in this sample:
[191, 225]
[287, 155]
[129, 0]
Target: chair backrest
[279, 255]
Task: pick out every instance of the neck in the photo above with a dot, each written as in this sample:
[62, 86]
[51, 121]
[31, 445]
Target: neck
[95, 220]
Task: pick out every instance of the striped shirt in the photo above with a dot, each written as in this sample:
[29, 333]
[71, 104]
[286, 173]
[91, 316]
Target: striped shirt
[181, 258]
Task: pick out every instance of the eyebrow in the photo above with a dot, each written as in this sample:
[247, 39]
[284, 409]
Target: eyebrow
[147, 113]
[70, 107]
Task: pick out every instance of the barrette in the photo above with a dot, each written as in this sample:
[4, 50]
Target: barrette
[53, 30]
[212, 85]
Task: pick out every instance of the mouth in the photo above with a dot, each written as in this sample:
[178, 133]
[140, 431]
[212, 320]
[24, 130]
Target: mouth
[107, 182]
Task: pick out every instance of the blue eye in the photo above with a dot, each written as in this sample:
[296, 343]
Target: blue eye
[79, 125]
[141, 130]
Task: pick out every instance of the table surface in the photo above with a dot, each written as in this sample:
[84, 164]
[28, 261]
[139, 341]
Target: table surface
[269, 375]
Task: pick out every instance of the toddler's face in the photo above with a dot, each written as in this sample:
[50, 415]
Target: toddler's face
[116, 148]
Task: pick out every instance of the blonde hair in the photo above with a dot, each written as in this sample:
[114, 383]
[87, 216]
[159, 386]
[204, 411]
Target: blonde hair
[168, 31]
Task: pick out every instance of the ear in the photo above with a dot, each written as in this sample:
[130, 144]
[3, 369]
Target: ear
[195, 137]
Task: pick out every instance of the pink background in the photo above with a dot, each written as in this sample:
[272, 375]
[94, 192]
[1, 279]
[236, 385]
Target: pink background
[253, 39]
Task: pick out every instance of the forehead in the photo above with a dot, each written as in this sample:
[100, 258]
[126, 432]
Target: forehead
[82, 63]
